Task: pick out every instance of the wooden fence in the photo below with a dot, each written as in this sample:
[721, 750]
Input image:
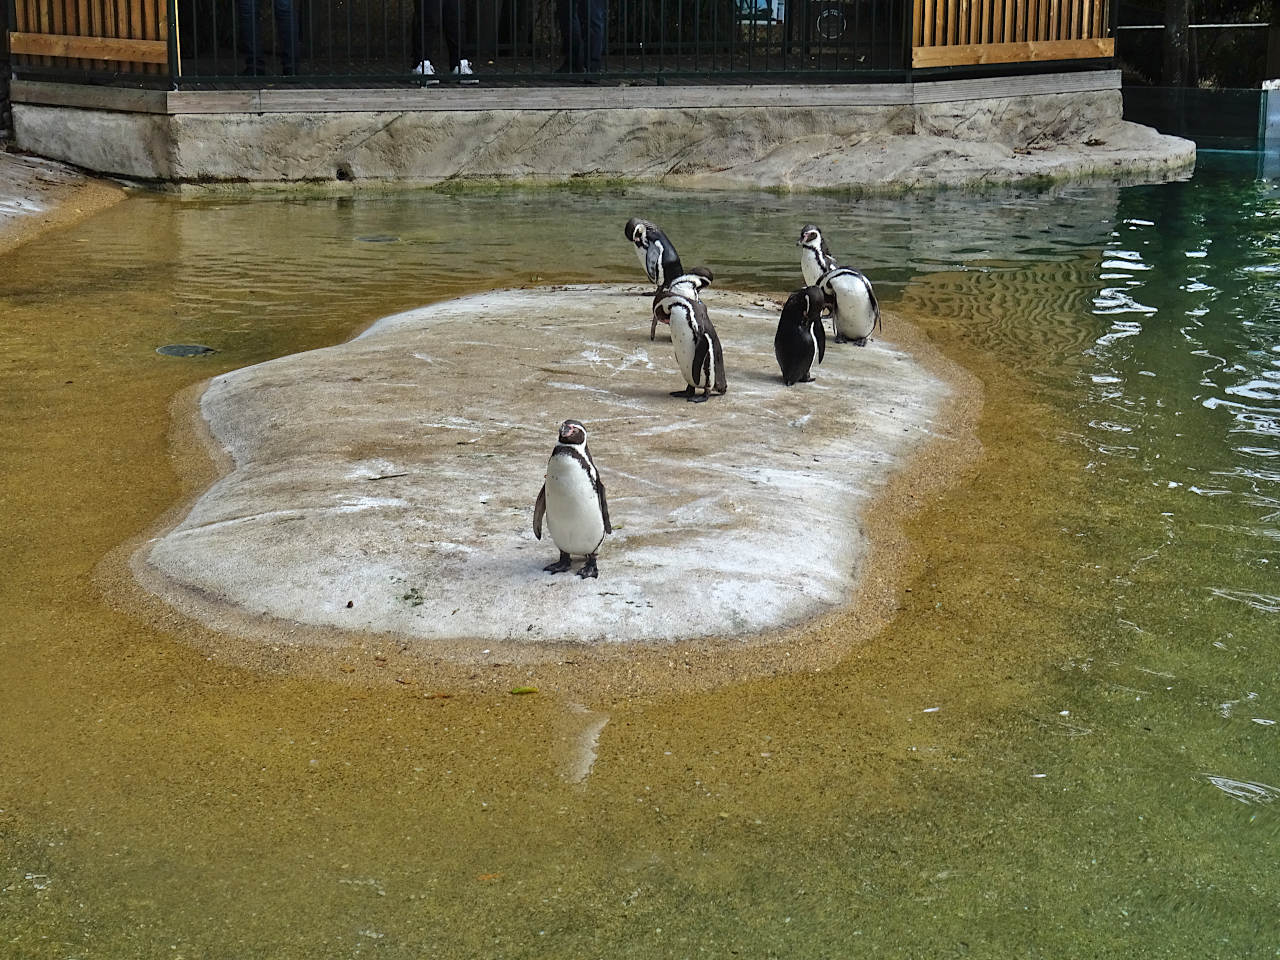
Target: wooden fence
[954, 32]
[132, 36]
[129, 36]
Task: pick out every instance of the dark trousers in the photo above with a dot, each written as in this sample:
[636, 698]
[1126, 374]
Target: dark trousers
[582, 26]
[250, 39]
[430, 19]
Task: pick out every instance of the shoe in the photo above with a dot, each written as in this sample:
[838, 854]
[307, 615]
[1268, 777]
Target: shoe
[464, 73]
[427, 72]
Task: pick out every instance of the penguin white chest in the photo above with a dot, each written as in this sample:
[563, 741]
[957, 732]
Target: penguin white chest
[811, 267]
[854, 315]
[684, 340]
[573, 506]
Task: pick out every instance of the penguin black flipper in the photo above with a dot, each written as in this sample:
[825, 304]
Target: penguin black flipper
[875, 306]
[604, 505]
[653, 262]
[715, 376]
[820, 335]
[540, 511]
[701, 351]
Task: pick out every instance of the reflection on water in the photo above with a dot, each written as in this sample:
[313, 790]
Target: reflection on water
[1063, 745]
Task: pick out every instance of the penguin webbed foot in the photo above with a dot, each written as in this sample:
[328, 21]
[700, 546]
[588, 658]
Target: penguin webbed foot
[687, 393]
[841, 338]
[589, 571]
[560, 566]
[860, 341]
[698, 398]
[807, 379]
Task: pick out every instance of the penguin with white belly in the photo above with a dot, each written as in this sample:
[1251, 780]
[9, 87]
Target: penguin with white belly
[656, 253]
[688, 285]
[800, 342]
[855, 312]
[572, 501]
[696, 344]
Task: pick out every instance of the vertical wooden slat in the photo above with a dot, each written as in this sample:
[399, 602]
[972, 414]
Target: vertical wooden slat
[140, 27]
[984, 29]
[940, 24]
[922, 27]
[1099, 19]
[997, 21]
[953, 20]
[962, 22]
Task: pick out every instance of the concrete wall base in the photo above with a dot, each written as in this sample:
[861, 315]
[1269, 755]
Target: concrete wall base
[874, 137]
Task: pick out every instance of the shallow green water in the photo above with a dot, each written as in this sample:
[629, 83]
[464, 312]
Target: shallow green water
[1065, 745]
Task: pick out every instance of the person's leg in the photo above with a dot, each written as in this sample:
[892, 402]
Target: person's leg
[597, 21]
[286, 36]
[247, 36]
[564, 19]
[450, 13]
[417, 37]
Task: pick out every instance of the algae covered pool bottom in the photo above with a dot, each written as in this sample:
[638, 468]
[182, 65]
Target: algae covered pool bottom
[1062, 745]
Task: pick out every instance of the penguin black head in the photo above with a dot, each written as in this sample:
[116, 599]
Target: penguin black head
[636, 229]
[811, 236]
[816, 302]
[571, 431]
[705, 273]
[803, 306]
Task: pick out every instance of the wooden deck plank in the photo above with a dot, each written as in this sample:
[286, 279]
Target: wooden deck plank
[1024, 52]
[91, 48]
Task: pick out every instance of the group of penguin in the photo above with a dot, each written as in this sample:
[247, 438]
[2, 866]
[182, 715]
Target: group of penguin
[572, 499]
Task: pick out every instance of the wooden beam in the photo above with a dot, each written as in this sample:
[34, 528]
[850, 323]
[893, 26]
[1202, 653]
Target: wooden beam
[90, 48]
[1029, 52]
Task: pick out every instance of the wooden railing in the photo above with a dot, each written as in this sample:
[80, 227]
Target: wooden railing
[955, 32]
[116, 35]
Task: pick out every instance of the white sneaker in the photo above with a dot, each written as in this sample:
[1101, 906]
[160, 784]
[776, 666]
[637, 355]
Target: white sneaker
[464, 73]
[427, 72]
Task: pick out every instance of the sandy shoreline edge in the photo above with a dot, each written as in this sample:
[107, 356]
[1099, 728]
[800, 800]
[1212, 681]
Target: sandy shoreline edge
[38, 196]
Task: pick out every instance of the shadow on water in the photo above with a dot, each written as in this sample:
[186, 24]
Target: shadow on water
[1063, 744]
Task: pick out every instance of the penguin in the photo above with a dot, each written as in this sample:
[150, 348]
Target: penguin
[687, 285]
[855, 312]
[656, 253]
[697, 346]
[573, 502]
[800, 342]
[815, 255]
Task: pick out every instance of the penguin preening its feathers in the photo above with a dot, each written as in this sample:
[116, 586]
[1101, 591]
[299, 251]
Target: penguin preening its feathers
[689, 285]
[657, 254]
[696, 344]
[800, 342]
[850, 298]
[572, 501]
[855, 311]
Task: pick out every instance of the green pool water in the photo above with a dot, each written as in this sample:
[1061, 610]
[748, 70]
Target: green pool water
[1063, 745]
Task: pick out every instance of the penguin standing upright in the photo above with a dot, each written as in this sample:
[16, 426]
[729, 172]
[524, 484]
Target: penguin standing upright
[688, 285]
[657, 254]
[855, 312]
[697, 346]
[572, 500]
[800, 342]
[815, 256]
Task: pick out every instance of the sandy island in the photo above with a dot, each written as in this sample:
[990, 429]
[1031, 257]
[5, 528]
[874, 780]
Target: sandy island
[377, 495]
